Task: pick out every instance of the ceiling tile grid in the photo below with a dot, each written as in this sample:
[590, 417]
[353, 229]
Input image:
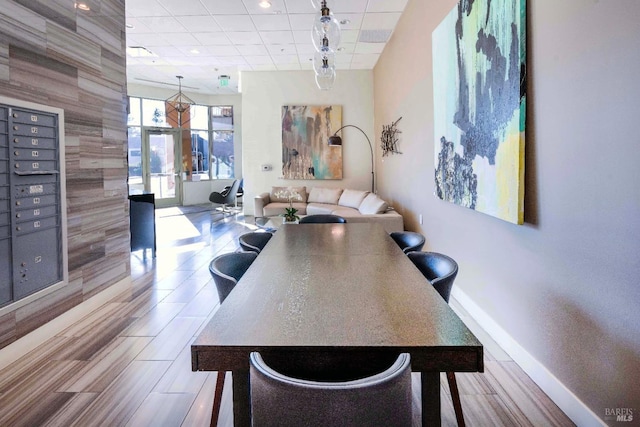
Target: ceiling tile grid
[202, 39]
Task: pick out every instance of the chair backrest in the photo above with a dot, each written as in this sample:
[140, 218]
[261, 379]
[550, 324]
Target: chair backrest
[382, 398]
[439, 269]
[408, 241]
[227, 196]
[227, 269]
[322, 219]
[254, 241]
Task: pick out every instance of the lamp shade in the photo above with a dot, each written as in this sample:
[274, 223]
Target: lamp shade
[335, 140]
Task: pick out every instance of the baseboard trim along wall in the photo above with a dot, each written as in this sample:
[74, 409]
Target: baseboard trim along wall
[33, 339]
[570, 404]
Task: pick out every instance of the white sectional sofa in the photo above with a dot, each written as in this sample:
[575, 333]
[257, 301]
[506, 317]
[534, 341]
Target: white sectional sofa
[353, 205]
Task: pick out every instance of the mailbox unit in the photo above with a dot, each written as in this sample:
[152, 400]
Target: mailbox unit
[32, 215]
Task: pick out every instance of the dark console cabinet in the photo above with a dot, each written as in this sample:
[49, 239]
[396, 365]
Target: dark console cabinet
[142, 222]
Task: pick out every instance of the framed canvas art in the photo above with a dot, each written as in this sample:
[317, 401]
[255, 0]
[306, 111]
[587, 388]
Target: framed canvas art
[479, 87]
[305, 135]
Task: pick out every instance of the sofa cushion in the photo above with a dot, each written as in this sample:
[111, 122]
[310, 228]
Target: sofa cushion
[320, 208]
[372, 204]
[352, 198]
[324, 195]
[282, 194]
[345, 212]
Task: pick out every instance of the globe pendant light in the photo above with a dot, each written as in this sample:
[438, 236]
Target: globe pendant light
[325, 25]
[326, 78]
[325, 36]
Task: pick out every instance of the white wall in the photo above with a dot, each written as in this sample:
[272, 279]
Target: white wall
[198, 192]
[564, 285]
[263, 96]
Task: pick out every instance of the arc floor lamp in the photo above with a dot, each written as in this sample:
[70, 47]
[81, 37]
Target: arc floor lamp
[336, 140]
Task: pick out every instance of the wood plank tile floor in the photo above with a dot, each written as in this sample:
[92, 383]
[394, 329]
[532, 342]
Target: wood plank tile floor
[127, 362]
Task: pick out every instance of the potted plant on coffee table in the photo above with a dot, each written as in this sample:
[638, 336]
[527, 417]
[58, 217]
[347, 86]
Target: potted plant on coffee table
[289, 215]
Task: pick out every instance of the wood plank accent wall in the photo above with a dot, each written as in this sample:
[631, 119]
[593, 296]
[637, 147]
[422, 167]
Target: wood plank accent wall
[52, 53]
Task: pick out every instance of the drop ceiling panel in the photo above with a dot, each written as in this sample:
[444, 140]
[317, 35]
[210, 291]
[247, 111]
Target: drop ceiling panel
[199, 24]
[223, 7]
[271, 22]
[183, 8]
[276, 37]
[386, 5]
[208, 39]
[235, 22]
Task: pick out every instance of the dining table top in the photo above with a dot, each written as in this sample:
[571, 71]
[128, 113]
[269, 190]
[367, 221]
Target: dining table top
[322, 287]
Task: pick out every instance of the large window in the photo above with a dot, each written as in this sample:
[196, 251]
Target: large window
[211, 130]
[222, 159]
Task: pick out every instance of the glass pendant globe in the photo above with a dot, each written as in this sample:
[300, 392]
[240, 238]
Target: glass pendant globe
[326, 79]
[325, 59]
[325, 26]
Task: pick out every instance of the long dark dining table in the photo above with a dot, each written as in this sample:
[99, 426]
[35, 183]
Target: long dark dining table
[318, 288]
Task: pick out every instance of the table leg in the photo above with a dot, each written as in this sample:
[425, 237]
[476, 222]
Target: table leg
[430, 382]
[241, 398]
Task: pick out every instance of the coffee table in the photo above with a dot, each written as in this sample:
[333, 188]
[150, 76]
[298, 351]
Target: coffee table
[270, 223]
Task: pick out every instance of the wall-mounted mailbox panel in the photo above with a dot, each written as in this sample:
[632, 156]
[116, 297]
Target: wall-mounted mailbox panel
[31, 217]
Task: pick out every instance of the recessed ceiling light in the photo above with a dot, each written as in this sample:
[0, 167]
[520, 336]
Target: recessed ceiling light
[345, 22]
[265, 4]
[130, 26]
[196, 51]
[82, 6]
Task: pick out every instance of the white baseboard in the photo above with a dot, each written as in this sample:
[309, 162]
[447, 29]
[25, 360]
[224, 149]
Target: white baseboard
[33, 339]
[568, 402]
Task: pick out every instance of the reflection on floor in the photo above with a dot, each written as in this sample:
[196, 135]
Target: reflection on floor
[128, 361]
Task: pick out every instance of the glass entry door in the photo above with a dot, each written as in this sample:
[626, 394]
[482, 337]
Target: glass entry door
[162, 165]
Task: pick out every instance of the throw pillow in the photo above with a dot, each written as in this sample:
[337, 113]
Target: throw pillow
[372, 204]
[282, 194]
[325, 195]
[352, 198]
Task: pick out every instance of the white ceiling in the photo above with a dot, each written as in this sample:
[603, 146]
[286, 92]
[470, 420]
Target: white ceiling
[202, 39]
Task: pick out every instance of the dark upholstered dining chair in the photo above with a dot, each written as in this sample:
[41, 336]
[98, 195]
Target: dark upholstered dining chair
[226, 197]
[441, 270]
[322, 219]
[226, 270]
[408, 241]
[283, 396]
[254, 241]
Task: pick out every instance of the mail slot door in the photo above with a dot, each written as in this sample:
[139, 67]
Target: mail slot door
[33, 225]
[35, 166]
[36, 262]
[35, 190]
[32, 118]
[33, 142]
[33, 154]
[33, 131]
[35, 202]
[36, 213]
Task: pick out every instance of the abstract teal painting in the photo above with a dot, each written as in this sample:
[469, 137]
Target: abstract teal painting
[479, 89]
[305, 136]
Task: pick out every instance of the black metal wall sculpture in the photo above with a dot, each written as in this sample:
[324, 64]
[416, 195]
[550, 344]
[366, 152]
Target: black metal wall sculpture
[389, 138]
